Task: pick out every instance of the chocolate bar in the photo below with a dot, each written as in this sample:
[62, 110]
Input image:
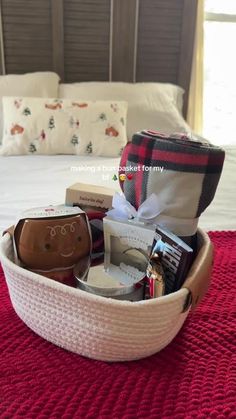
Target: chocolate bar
[175, 257]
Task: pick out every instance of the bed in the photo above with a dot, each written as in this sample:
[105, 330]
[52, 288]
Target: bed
[28, 181]
[109, 40]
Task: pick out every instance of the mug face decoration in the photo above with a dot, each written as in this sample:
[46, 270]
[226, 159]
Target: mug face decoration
[52, 245]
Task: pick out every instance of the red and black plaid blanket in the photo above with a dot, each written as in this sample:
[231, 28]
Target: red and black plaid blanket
[183, 172]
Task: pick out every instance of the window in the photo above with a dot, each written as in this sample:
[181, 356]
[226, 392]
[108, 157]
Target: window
[219, 109]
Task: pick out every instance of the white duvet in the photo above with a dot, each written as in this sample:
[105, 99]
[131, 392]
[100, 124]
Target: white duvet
[29, 181]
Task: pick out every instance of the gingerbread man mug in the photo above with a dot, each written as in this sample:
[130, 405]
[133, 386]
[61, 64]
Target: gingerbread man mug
[50, 241]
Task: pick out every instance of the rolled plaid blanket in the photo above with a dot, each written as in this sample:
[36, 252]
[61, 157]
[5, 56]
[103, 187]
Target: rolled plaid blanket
[182, 171]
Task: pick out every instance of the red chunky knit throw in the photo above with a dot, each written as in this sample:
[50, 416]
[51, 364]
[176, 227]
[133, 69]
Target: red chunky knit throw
[194, 377]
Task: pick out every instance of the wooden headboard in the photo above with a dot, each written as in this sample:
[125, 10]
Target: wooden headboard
[116, 40]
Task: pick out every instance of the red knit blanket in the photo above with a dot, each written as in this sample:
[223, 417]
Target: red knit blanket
[193, 377]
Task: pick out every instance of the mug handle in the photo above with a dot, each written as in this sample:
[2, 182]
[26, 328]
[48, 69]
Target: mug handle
[9, 230]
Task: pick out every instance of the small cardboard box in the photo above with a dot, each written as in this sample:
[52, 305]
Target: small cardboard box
[90, 197]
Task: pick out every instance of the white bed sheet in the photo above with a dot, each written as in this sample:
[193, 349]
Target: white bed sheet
[29, 181]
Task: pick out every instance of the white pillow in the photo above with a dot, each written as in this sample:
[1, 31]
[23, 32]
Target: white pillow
[156, 106]
[54, 126]
[41, 84]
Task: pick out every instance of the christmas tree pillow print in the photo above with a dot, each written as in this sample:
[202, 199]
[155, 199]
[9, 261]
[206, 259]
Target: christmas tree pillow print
[63, 126]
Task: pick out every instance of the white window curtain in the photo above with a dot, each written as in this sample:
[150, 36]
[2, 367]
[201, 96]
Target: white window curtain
[195, 106]
[212, 101]
[219, 99]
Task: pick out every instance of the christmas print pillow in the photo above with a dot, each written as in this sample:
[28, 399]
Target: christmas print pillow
[57, 126]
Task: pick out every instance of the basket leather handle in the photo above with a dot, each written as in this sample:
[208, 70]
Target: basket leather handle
[198, 278]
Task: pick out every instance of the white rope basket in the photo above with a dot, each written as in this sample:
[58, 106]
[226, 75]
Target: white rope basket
[98, 327]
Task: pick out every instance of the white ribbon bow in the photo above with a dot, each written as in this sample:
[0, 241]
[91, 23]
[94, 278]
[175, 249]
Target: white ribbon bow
[150, 211]
[123, 209]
